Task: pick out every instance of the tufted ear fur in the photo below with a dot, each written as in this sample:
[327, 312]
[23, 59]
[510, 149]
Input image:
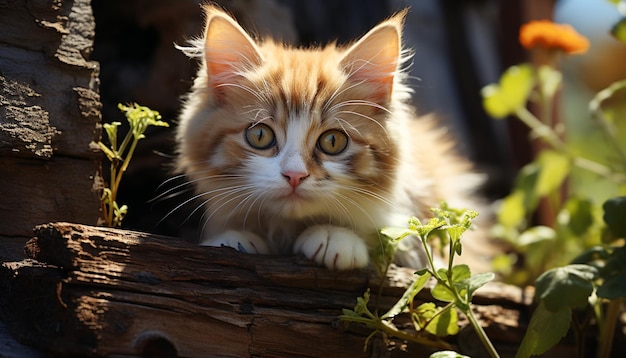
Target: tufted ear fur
[375, 58]
[228, 49]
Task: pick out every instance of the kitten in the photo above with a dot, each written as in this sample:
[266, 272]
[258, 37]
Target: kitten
[310, 151]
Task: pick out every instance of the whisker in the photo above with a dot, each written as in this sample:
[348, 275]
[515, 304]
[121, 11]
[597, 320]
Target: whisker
[359, 102]
[342, 121]
[366, 117]
[223, 190]
[357, 206]
[254, 93]
[166, 194]
[338, 92]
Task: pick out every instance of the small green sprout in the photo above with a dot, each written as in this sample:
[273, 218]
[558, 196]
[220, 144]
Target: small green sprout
[139, 118]
[454, 285]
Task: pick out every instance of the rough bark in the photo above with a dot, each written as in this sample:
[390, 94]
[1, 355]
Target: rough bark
[95, 291]
[49, 114]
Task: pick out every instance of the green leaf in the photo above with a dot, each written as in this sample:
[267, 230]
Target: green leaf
[523, 200]
[140, 118]
[396, 233]
[479, 280]
[459, 224]
[546, 328]
[526, 181]
[613, 287]
[432, 225]
[554, 169]
[349, 313]
[512, 210]
[615, 215]
[445, 323]
[408, 296]
[619, 30]
[447, 354]
[591, 255]
[576, 215]
[614, 274]
[111, 131]
[569, 286]
[536, 234]
[511, 93]
[445, 294]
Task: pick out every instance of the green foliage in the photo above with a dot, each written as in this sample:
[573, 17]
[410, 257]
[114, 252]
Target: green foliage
[569, 286]
[567, 215]
[568, 239]
[139, 118]
[546, 328]
[504, 98]
[595, 277]
[615, 215]
[454, 284]
[619, 29]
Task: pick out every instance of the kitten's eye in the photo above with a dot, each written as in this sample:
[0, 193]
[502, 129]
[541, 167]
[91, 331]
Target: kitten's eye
[260, 136]
[333, 142]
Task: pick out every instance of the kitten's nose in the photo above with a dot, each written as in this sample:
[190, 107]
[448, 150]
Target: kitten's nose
[295, 178]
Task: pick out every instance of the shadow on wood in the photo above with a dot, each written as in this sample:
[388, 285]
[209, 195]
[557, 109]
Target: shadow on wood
[96, 291]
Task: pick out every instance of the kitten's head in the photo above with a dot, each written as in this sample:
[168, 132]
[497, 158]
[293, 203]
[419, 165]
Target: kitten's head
[292, 133]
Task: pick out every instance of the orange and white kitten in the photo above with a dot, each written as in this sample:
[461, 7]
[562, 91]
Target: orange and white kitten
[312, 150]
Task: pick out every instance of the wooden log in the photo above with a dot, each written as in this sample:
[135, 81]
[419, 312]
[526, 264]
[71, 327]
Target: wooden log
[96, 291]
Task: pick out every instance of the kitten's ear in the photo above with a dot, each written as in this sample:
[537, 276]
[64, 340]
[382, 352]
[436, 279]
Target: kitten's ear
[376, 56]
[228, 48]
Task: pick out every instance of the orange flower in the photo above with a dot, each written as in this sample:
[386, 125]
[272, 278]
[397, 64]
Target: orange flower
[547, 34]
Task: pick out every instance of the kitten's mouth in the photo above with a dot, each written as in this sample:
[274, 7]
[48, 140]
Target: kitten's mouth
[296, 205]
[295, 195]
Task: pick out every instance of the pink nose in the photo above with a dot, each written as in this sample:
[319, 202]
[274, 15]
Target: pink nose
[295, 178]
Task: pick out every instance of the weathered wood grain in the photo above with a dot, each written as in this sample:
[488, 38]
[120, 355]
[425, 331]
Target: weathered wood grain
[49, 114]
[97, 291]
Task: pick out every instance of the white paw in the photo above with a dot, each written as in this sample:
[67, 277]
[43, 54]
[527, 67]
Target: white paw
[335, 247]
[243, 241]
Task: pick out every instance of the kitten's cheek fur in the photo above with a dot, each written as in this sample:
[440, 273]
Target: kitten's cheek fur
[243, 241]
[335, 247]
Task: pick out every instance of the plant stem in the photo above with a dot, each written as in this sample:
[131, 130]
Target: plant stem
[481, 334]
[429, 256]
[113, 195]
[549, 136]
[378, 324]
[126, 162]
[607, 328]
[543, 131]
[391, 331]
[599, 169]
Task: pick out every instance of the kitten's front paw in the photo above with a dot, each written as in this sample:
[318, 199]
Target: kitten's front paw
[243, 241]
[335, 247]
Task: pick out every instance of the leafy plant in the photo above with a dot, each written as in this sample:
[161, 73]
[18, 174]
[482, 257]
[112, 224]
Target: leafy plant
[550, 192]
[571, 225]
[595, 281]
[139, 118]
[455, 285]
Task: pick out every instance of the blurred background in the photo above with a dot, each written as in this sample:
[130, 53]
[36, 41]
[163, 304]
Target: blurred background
[460, 46]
